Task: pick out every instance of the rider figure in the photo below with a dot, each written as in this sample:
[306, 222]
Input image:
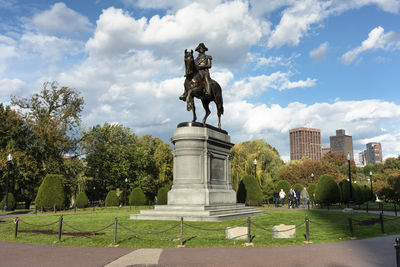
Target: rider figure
[203, 63]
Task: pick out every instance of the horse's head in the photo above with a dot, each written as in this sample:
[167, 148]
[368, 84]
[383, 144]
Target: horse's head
[189, 63]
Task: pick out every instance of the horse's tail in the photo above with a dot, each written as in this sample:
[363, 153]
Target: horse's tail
[218, 98]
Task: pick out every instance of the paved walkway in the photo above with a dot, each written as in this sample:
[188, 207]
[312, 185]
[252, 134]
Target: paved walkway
[367, 253]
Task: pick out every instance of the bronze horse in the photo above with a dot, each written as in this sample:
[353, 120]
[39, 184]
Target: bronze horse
[194, 87]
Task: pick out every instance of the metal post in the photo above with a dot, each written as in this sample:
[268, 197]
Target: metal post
[307, 229]
[54, 208]
[115, 229]
[381, 221]
[351, 186]
[351, 227]
[8, 178]
[16, 227]
[75, 208]
[308, 205]
[381, 207]
[181, 233]
[248, 230]
[60, 228]
[395, 210]
[397, 247]
[367, 207]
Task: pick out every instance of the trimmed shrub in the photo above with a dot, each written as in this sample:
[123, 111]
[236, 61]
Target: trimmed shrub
[11, 202]
[283, 184]
[162, 195]
[82, 200]
[327, 191]
[367, 193]
[358, 196]
[311, 192]
[344, 191]
[51, 192]
[137, 197]
[249, 191]
[112, 199]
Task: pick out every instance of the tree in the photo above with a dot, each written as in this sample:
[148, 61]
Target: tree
[243, 155]
[53, 115]
[311, 192]
[112, 199]
[137, 197]
[82, 200]
[344, 191]
[283, 184]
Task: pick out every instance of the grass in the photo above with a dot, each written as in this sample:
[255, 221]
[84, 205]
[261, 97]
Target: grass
[334, 228]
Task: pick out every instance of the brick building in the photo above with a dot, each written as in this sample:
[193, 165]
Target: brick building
[305, 142]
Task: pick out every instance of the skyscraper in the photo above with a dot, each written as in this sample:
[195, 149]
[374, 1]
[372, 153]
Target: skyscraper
[342, 143]
[374, 153]
[305, 142]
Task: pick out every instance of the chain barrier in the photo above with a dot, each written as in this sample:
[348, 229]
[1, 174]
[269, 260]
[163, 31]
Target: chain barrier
[392, 219]
[260, 227]
[327, 224]
[153, 233]
[82, 231]
[38, 225]
[149, 239]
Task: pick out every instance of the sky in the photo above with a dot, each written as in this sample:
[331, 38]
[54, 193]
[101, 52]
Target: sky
[282, 64]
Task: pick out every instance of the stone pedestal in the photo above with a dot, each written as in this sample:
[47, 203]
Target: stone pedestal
[202, 189]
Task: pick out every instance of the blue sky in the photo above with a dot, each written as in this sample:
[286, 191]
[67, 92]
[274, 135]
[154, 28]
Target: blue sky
[281, 63]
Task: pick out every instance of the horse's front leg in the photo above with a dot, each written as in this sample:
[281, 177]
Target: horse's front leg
[207, 109]
[194, 110]
[189, 105]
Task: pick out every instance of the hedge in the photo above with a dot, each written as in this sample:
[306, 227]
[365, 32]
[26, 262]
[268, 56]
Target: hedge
[82, 200]
[51, 192]
[298, 187]
[162, 195]
[249, 191]
[344, 191]
[11, 202]
[327, 191]
[137, 197]
[311, 191]
[112, 199]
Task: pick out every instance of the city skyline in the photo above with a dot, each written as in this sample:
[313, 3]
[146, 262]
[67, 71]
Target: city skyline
[282, 64]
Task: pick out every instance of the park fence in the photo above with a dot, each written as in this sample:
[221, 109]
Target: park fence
[63, 225]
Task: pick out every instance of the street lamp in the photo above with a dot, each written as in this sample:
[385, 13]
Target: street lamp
[126, 193]
[372, 194]
[312, 177]
[9, 159]
[351, 186]
[255, 167]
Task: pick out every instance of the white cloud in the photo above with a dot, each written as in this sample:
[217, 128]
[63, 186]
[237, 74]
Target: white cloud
[254, 86]
[171, 4]
[377, 39]
[272, 61]
[298, 17]
[49, 47]
[319, 53]
[228, 23]
[10, 87]
[60, 19]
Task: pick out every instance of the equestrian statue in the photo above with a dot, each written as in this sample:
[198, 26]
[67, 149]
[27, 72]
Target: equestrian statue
[199, 84]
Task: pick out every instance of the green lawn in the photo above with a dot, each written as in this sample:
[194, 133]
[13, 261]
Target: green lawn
[324, 227]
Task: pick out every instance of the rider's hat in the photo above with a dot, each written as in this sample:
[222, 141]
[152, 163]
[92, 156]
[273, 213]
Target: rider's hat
[201, 46]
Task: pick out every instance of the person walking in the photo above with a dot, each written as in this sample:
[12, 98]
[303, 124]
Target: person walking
[275, 194]
[282, 196]
[304, 197]
[297, 198]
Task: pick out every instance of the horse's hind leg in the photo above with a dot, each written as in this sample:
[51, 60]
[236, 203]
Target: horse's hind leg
[207, 109]
[219, 119]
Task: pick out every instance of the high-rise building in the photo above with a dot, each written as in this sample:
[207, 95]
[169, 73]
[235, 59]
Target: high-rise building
[325, 150]
[362, 157]
[374, 153]
[342, 143]
[305, 142]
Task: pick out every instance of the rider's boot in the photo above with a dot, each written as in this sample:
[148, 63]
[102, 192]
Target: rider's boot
[207, 87]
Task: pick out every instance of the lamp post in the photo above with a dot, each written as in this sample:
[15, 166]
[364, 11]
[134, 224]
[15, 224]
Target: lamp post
[126, 193]
[372, 192]
[312, 177]
[351, 186]
[255, 167]
[9, 159]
